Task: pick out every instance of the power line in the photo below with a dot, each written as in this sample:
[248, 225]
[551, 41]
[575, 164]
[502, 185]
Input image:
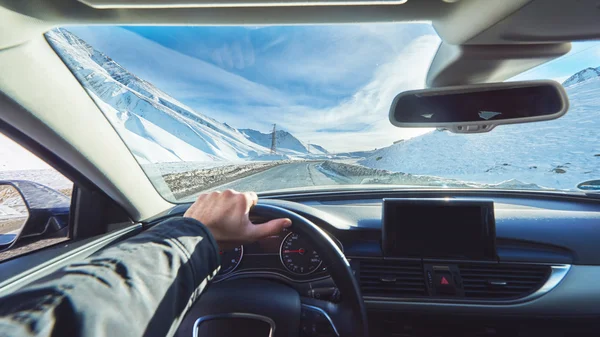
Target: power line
[558, 59]
[273, 140]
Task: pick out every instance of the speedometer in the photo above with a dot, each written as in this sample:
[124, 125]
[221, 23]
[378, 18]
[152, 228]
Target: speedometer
[230, 259]
[297, 256]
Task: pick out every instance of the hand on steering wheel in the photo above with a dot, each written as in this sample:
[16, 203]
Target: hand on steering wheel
[226, 215]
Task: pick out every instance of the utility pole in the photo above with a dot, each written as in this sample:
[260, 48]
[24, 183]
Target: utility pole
[308, 147]
[274, 140]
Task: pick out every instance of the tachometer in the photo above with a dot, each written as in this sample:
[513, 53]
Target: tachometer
[230, 259]
[297, 256]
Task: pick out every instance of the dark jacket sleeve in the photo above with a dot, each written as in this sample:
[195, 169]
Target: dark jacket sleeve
[140, 287]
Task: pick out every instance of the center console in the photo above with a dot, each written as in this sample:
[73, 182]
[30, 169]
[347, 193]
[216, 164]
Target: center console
[443, 253]
[443, 234]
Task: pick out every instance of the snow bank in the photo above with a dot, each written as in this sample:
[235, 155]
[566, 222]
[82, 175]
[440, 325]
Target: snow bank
[185, 184]
[356, 174]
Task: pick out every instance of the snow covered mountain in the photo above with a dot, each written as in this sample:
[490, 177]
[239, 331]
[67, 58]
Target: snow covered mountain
[155, 126]
[582, 76]
[286, 142]
[556, 154]
[317, 148]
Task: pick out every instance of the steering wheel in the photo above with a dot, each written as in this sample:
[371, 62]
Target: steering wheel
[238, 307]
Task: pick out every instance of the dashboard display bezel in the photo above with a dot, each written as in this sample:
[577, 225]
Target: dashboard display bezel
[390, 242]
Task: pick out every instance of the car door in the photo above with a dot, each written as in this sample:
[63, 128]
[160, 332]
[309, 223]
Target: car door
[46, 219]
[35, 201]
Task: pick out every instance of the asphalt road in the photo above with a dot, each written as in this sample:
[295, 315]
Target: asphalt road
[19, 249]
[280, 177]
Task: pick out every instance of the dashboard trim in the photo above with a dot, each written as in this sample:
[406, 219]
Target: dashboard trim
[234, 315]
[557, 274]
[379, 192]
[267, 274]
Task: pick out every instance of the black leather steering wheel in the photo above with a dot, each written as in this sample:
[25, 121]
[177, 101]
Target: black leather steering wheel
[280, 304]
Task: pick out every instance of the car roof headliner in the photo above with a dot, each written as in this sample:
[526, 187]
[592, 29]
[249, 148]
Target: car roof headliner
[475, 33]
[457, 21]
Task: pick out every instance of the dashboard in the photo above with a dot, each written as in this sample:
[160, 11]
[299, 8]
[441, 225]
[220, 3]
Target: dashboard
[541, 280]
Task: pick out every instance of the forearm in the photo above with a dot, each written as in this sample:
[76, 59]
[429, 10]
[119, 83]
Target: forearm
[142, 286]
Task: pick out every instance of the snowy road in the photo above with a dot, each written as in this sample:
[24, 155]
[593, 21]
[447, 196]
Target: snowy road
[280, 177]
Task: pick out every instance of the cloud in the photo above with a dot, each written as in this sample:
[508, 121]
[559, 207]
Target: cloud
[364, 114]
[561, 78]
[179, 75]
[370, 105]
[314, 81]
[273, 43]
[238, 55]
[334, 59]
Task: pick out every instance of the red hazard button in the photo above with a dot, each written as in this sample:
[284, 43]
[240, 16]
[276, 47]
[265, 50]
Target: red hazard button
[444, 284]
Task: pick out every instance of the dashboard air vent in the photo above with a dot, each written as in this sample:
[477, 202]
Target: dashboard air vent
[383, 278]
[502, 281]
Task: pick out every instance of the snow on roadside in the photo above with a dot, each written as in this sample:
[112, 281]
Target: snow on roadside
[356, 174]
[556, 154]
[185, 184]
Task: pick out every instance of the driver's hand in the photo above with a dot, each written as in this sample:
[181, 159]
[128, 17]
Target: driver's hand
[226, 216]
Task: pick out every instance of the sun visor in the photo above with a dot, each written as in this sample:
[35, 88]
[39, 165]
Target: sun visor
[469, 64]
[141, 4]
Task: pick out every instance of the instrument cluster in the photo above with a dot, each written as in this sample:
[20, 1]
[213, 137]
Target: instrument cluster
[287, 254]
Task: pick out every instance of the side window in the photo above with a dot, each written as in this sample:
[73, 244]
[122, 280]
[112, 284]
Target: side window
[34, 202]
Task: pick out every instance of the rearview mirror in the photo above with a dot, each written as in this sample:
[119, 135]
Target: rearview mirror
[479, 107]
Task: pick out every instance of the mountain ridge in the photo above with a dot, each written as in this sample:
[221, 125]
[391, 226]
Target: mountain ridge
[154, 125]
[284, 140]
[582, 76]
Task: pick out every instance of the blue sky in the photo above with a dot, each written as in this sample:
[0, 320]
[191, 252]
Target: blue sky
[329, 84]
[581, 56]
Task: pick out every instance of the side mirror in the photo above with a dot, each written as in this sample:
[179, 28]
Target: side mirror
[13, 215]
[43, 212]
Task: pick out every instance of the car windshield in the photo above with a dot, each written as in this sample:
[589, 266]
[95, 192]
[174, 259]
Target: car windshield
[269, 108]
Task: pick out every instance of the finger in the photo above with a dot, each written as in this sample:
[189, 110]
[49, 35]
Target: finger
[269, 228]
[228, 193]
[193, 207]
[251, 198]
[201, 197]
